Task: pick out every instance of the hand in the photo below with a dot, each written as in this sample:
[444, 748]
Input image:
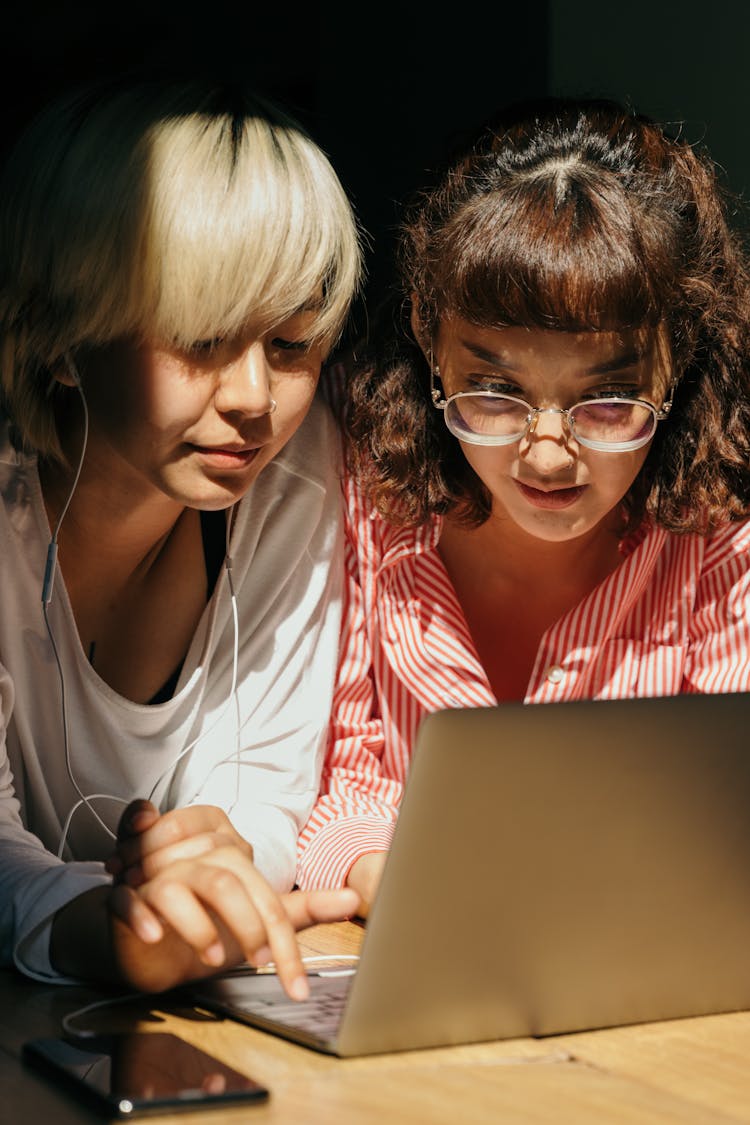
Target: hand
[208, 920]
[148, 841]
[188, 900]
[364, 877]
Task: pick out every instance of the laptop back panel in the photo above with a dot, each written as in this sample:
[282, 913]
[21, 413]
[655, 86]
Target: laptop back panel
[562, 867]
[557, 868]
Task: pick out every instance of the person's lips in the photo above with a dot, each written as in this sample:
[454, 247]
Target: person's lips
[550, 498]
[227, 456]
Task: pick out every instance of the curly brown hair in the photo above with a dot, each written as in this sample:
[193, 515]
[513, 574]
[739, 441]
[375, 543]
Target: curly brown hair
[571, 215]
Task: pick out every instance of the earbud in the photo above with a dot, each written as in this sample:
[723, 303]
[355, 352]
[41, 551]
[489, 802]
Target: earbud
[73, 371]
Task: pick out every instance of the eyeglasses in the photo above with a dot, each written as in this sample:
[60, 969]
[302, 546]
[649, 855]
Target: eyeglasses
[610, 423]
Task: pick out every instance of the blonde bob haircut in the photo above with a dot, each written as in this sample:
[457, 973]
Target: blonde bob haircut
[167, 212]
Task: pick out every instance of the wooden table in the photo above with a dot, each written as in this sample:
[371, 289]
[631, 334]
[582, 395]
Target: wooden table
[693, 1071]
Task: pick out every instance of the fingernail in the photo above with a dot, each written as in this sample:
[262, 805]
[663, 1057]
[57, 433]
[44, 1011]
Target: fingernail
[150, 931]
[213, 954]
[139, 820]
[299, 989]
[261, 956]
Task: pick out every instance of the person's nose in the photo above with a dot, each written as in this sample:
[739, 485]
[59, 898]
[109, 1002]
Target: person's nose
[548, 445]
[245, 384]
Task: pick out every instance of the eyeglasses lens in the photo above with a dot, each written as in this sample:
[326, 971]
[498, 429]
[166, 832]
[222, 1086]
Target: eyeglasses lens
[502, 419]
[613, 422]
[486, 416]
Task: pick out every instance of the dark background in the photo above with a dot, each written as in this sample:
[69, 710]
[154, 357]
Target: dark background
[389, 92]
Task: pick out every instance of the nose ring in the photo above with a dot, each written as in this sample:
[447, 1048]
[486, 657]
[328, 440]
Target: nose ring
[272, 407]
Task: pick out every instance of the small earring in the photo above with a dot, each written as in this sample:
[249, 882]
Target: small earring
[272, 407]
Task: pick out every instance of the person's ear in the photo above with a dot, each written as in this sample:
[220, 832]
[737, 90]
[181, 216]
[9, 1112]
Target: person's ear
[65, 372]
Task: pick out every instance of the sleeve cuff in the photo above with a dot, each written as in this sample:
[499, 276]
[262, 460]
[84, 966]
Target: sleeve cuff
[31, 950]
[326, 860]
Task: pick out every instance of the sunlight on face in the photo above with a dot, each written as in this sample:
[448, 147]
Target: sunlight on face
[548, 484]
[198, 424]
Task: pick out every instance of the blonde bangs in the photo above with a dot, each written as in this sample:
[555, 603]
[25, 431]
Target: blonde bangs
[239, 232]
[168, 213]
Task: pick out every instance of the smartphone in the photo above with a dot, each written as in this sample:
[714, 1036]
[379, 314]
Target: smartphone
[134, 1073]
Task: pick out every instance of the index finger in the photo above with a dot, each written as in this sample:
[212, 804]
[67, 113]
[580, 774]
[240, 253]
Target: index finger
[303, 909]
[279, 937]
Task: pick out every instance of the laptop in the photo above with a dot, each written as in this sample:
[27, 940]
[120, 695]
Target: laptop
[554, 868]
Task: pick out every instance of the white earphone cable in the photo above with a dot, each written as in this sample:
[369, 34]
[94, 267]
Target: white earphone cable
[49, 580]
[47, 587]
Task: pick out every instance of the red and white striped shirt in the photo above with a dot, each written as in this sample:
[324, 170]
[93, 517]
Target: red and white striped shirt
[673, 617]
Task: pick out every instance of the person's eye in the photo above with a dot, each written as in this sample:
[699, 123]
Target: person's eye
[627, 390]
[289, 345]
[206, 347]
[496, 386]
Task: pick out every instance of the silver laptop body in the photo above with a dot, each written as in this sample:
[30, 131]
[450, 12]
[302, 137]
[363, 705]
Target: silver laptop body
[554, 868]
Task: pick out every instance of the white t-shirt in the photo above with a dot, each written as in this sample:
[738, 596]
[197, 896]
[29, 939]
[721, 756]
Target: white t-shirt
[260, 751]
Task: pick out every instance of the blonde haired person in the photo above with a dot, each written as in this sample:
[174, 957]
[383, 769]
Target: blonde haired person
[177, 259]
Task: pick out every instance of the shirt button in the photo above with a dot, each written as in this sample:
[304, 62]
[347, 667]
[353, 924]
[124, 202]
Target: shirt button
[555, 673]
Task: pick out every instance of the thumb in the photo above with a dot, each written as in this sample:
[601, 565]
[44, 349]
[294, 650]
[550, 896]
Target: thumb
[306, 908]
[137, 818]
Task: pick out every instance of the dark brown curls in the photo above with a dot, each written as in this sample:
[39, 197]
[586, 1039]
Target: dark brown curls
[570, 215]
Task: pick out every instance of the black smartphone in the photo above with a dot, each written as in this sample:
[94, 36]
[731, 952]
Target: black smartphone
[136, 1073]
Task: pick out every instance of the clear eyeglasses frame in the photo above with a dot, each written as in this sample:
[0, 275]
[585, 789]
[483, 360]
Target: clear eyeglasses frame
[528, 415]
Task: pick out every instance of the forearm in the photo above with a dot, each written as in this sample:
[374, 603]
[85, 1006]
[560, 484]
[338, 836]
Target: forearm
[329, 848]
[81, 940]
[357, 806]
[34, 887]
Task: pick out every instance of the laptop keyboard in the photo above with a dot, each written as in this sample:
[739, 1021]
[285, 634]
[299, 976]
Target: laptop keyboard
[320, 1015]
[262, 996]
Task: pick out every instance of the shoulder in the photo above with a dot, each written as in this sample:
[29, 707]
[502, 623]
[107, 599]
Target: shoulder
[730, 541]
[11, 459]
[17, 472]
[716, 563]
[381, 541]
[729, 545]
